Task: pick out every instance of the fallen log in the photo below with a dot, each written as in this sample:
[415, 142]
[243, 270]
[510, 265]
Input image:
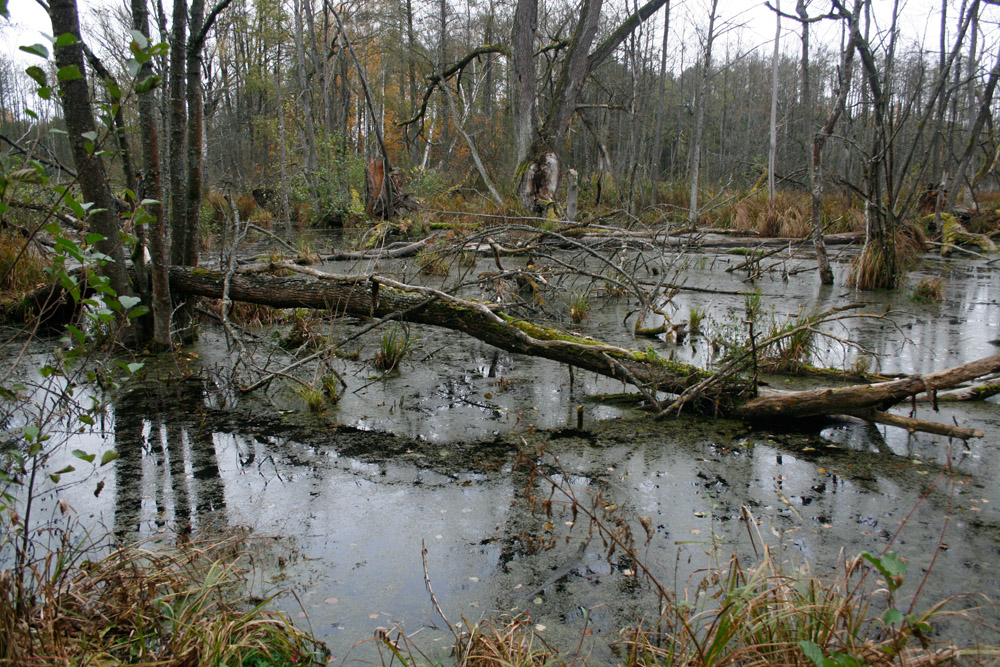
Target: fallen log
[856, 398]
[375, 296]
[378, 296]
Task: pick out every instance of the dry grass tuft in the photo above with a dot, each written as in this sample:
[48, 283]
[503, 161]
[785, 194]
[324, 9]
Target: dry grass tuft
[766, 615]
[929, 290]
[787, 216]
[22, 267]
[144, 607]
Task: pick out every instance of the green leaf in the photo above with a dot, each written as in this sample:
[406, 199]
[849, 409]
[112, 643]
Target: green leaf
[69, 73]
[892, 616]
[138, 311]
[36, 50]
[893, 564]
[65, 470]
[78, 335]
[3, 9]
[135, 367]
[108, 457]
[37, 73]
[890, 566]
[90, 136]
[66, 39]
[80, 454]
[133, 66]
[129, 301]
[45, 93]
[87, 419]
[813, 652]
[31, 433]
[148, 84]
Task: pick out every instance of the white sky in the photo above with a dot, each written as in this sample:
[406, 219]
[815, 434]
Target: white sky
[919, 22]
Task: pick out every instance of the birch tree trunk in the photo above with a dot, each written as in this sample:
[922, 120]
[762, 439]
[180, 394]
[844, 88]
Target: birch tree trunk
[699, 121]
[772, 148]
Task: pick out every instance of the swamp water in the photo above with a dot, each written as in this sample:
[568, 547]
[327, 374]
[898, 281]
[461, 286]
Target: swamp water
[339, 505]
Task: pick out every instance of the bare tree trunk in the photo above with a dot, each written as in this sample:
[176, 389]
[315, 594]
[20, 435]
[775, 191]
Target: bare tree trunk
[160, 301]
[282, 144]
[955, 185]
[178, 127]
[307, 111]
[661, 99]
[75, 98]
[816, 165]
[772, 149]
[195, 129]
[473, 152]
[523, 73]
[699, 121]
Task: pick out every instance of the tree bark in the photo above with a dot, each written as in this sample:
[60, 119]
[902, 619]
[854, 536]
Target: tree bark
[772, 147]
[195, 130]
[818, 142]
[524, 104]
[153, 191]
[539, 166]
[77, 113]
[699, 119]
[309, 132]
[178, 128]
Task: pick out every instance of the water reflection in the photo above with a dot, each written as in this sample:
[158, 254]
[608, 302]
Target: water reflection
[167, 475]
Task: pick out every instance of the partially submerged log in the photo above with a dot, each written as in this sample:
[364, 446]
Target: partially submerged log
[378, 296]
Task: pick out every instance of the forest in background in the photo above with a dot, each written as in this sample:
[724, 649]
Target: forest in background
[171, 120]
[285, 114]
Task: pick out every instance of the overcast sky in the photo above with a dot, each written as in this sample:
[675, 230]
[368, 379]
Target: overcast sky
[919, 21]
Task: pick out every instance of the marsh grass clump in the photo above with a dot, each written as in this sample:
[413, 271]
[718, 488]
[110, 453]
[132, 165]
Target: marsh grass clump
[393, 347]
[696, 317]
[775, 614]
[928, 290]
[253, 314]
[330, 384]
[304, 330]
[313, 396]
[433, 263]
[149, 607]
[579, 307]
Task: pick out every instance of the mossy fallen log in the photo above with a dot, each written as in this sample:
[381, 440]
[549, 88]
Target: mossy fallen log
[732, 395]
[378, 296]
[954, 234]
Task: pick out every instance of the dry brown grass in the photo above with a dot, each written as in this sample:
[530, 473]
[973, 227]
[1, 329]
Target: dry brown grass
[172, 608]
[788, 216]
[22, 267]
